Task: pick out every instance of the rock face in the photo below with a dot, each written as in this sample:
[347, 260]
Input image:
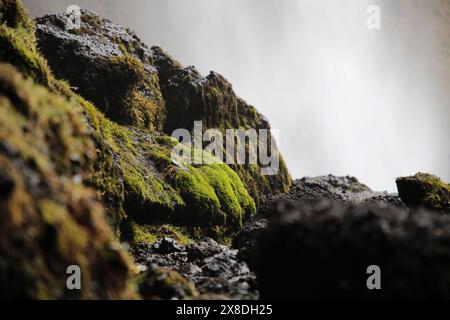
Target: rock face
[145, 87]
[213, 268]
[49, 219]
[424, 190]
[322, 249]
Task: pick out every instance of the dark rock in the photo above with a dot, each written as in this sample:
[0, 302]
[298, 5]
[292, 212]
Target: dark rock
[323, 248]
[424, 190]
[145, 87]
[6, 184]
[344, 189]
[214, 269]
[247, 240]
[167, 245]
[205, 248]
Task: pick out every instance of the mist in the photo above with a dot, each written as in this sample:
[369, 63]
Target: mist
[374, 104]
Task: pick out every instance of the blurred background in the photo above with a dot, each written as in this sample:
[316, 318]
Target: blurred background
[347, 100]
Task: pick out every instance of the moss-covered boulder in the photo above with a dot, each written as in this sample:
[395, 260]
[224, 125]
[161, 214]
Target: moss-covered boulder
[146, 88]
[158, 283]
[107, 65]
[138, 179]
[425, 190]
[49, 219]
[131, 166]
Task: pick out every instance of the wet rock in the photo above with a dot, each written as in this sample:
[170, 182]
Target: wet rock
[322, 249]
[214, 269]
[344, 189]
[424, 190]
[205, 248]
[167, 245]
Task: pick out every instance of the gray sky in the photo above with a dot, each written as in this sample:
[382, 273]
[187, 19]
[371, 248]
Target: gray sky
[346, 100]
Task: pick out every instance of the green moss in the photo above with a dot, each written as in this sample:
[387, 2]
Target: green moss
[44, 156]
[152, 233]
[230, 190]
[161, 283]
[425, 190]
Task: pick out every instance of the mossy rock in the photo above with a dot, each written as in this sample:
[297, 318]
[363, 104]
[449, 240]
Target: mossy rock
[147, 89]
[132, 169]
[424, 190]
[135, 174]
[159, 283]
[107, 65]
[49, 219]
[18, 42]
[191, 97]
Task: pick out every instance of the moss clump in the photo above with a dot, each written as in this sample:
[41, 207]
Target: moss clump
[150, 234]
[158, 283]
[424, 190]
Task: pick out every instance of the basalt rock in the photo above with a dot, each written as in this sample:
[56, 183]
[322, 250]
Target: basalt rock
[425, 190]
[322, 249]
[214, 269]
[145, 87]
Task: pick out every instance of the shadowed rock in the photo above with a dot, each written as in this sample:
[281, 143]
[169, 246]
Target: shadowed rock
[323, 249]
[424, 190]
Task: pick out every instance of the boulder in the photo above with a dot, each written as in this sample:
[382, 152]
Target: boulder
[341, 189]
[323, 249]
[424, 190]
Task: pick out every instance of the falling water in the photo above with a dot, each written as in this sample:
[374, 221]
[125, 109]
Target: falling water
[347, 100]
